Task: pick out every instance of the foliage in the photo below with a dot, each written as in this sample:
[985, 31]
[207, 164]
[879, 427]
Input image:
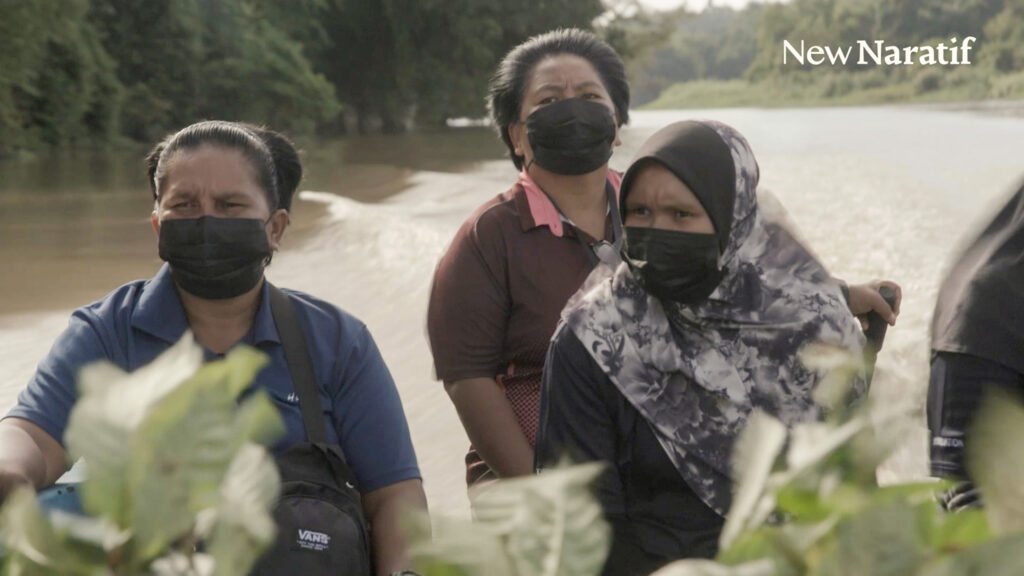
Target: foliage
[723, 57]
[83, 71]
[172, 461]
[391, 60]
[806, 503]
[816, 509]
[76, 72]
[186, 60]
[57, 85]
[547, 525]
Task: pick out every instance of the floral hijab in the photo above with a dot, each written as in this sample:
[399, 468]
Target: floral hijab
[696, 373]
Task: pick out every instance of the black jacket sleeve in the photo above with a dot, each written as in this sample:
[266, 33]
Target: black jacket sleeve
[958, 383]
[579, 413]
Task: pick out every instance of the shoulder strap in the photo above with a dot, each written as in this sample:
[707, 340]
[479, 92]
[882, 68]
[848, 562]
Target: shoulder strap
[299, 364]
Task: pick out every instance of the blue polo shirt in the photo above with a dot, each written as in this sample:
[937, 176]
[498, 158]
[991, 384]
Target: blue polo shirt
[134, 324]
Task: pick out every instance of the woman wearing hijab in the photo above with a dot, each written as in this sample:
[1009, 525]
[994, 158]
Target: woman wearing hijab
[660, 360]
[557, 101]
[977, 339]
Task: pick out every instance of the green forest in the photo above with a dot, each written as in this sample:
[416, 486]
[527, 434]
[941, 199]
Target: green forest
[98, 72]
[83, 72]
[725, 57]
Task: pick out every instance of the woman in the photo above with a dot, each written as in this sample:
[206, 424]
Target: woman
[977, 340]
[558, 101]
[222, 192]
[662, 358]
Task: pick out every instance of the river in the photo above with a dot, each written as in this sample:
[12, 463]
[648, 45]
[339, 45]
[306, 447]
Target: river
[877, 192]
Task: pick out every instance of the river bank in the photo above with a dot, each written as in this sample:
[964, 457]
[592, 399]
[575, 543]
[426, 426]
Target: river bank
[830, 89]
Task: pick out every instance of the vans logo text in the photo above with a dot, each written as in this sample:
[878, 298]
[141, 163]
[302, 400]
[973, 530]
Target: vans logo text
[313, 540]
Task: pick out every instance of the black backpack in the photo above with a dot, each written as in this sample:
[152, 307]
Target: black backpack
[319, 516]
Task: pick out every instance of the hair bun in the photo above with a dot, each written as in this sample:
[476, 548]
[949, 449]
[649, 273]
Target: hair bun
[287, 166]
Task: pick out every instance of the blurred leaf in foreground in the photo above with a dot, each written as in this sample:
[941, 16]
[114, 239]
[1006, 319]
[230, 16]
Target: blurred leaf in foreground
[37, 548]
[995, 459]
[110, 407]
[709, 568]
[545, 525]
[753, 459]
[170, 462]
[552, 524]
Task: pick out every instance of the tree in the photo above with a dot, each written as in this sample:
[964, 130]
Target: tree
[57, 84]
[392, 61]
[186, 60]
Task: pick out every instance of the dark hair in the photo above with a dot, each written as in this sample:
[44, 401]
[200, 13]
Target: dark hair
[505, 95]
[271, 155]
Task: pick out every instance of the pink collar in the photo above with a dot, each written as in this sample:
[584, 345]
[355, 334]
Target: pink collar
[543, 210]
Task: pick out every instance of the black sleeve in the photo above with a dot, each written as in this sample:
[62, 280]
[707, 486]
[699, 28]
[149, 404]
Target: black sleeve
[579, 411]
[575, 420]
[957, 384]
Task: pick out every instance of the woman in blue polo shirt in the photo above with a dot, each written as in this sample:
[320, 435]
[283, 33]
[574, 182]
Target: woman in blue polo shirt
[222, 192]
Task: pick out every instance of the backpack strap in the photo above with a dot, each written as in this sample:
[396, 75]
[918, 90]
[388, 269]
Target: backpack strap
[300, 366]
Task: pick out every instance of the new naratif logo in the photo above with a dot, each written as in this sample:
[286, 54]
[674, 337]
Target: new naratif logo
[879, 53]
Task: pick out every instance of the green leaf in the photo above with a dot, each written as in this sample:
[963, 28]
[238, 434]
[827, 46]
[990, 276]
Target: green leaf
[110, 407]
[995, 459]
[796, 539]
[848, 498]
[1000, 557]
[35, 547]
[881, 541]
[754, 455]
[244, 526]
[437, 568]
[551, 523]
[168, 455]
[180, 564]
[709, 568]
[812, 442]
[910, 492]
[838, 370]
[801, 504]
[961, 530]
[182, 451]
[456, 548]
[749, 546]
[237, 371]
[257, 420]
[789, 546]
[96, 532]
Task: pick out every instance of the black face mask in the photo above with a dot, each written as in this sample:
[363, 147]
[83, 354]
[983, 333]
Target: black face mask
[674, 266]
[571, 137]
[215, 258]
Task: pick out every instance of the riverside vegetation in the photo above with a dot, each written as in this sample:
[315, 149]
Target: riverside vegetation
[94, 72]
[88, 72]
[725, 57]
[173, 460]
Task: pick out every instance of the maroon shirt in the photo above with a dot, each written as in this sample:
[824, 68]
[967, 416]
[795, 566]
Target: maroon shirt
[497, 297]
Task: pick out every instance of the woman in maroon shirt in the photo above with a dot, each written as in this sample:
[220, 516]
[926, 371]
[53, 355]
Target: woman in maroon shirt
[558, 101]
